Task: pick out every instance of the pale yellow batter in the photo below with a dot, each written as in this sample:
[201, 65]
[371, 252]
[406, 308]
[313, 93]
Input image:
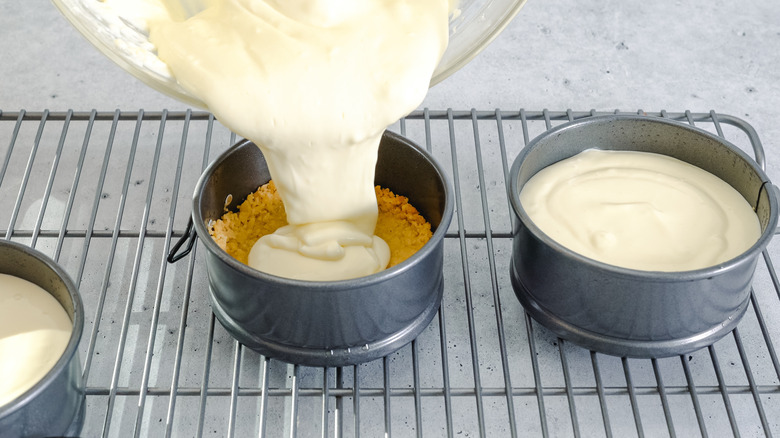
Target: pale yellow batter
[34, 331]
[314, 84]
[639, 210]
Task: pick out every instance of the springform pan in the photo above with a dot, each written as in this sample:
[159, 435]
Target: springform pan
[626, 312]
[323, 323]
[55, 405]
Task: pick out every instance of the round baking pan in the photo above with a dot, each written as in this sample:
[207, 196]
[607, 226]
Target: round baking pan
[627, 312]
[55, 405]
[332, 323]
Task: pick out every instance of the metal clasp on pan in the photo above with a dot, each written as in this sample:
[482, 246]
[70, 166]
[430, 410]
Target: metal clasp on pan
[189, 236]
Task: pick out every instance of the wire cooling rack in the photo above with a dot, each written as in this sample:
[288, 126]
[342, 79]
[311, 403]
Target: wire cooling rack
[106, 193]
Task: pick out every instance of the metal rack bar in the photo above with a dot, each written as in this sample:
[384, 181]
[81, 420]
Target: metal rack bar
[11, 143]
[416, 386]
[494, 277]
[185, 305]
[752, 383]
[466, 278]
[114, 238]
[134, 277]
[565, 366]
[325, 400]
[339, 404]
[161, 279]
[664, 400]
[27, 172]
[526, 318]
[446, 387]
[399, 392]
[203, 391]
[264, 397]
[760, 317]
[569, 392]
[72, 196]
[441, 318]
[632, 396]
[231, 431]
[294, 403]
[601, 393]
[724, 391]
[540, 385]
[388, 416]
[694, 397]
[765, 332]
[356, 399]
[50, 180]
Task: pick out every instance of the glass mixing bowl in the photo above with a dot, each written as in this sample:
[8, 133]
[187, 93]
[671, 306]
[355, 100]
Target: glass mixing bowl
[125, 42]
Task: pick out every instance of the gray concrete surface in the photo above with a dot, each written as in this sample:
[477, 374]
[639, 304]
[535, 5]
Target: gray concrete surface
[699, 55]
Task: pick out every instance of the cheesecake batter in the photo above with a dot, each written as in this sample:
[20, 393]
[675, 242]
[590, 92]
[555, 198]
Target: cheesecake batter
[313, 83]
[34, 332]
[640, 210]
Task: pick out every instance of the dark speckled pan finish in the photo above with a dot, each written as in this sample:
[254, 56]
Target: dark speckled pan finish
[327, 323]
[626, 312]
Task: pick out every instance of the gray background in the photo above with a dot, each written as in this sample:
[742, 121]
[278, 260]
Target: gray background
[557, 54]
[698, 55]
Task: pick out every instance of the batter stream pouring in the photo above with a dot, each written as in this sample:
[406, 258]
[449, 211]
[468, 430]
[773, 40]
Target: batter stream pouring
[314, 84]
